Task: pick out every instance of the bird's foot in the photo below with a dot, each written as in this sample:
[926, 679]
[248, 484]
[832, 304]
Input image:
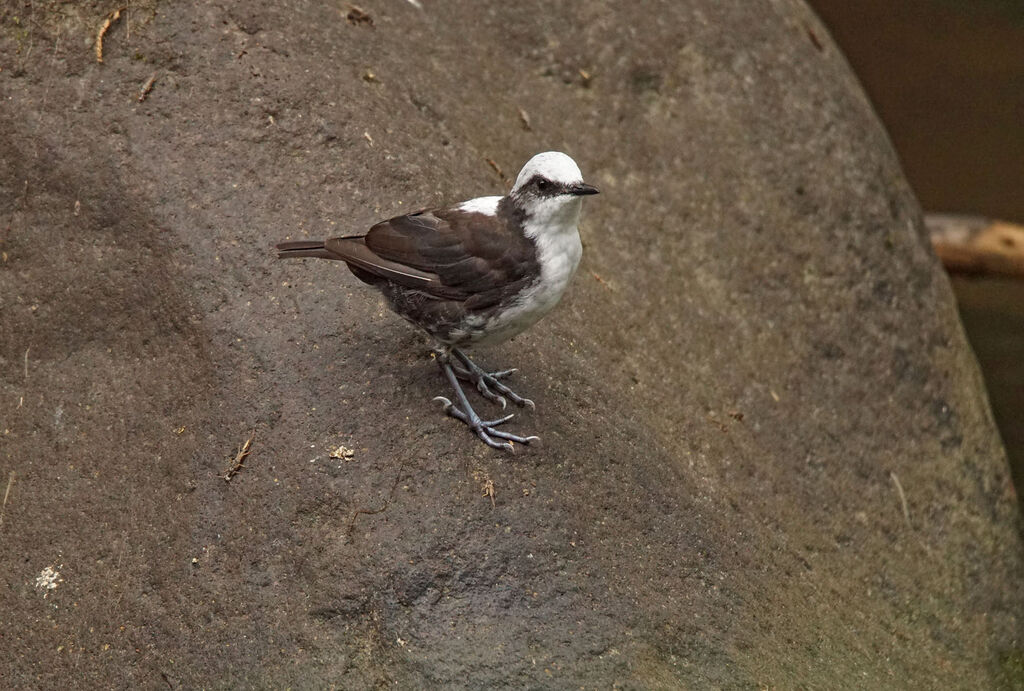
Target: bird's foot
[486, 429]
[488, 383]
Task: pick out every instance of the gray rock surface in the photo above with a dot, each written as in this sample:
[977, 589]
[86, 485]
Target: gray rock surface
[767, 456]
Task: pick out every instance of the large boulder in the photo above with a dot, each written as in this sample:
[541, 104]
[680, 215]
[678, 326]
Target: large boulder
[767, 456]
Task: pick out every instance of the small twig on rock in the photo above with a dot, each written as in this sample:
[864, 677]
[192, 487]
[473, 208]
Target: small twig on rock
[110, 19]
[903, 498]
[814, 37]
[10, 481]
[497, 169]
[600, 280]
[147, 87]
[369, 512]
[486, 484]
[357, 15]
[239, 461]
[525, 119]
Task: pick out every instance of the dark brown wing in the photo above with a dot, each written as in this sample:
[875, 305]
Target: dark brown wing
[353, 251]
[447, 254]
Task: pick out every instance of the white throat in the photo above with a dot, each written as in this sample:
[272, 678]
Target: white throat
[552, 225]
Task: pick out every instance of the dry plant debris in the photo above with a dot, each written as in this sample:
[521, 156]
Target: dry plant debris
[486, 484]
[110, 19]
[357, 15]
[497, 169]
[525, 119]
[147, 87]
[600, 280]
[239, 461]
[903, 498]
[7, 492]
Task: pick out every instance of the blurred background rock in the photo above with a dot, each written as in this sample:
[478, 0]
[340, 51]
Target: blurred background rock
[947, 79]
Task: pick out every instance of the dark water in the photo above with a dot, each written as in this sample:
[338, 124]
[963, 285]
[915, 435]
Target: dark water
[947, 79]
[993, 313]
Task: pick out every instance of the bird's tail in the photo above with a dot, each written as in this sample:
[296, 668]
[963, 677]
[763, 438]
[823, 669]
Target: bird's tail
[304, 248]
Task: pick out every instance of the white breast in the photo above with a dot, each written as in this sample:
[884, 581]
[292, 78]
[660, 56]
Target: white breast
[559, 254]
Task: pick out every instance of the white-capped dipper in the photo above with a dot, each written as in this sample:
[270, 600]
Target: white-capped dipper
[475, 273]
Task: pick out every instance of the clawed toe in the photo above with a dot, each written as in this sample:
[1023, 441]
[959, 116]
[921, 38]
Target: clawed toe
[459, 414]
[487, 430]
[490, 388]
[488, 383]
[481, 386]
[488, 426]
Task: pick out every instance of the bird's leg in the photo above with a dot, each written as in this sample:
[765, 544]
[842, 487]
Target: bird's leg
[488, 382]
[485, 429]
[481, 384]
[466, 375]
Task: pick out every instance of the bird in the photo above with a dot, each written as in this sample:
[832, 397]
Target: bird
[474, 274]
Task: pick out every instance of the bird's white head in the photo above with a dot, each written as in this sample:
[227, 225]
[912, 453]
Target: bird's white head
[549, 190]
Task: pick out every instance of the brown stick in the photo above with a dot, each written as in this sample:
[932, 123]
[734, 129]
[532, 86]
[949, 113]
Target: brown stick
[110, 19]
[497, 169]
[903, 498]
[239, 461]
[3, 508]
[525, 119]
[977, 245]
[147, 87]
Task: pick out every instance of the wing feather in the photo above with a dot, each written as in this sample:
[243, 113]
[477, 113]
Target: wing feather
[451, 254]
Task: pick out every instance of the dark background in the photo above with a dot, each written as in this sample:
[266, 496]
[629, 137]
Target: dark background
[947, 79]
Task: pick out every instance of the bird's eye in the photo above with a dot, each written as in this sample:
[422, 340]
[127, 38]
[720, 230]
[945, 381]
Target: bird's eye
[544, 185]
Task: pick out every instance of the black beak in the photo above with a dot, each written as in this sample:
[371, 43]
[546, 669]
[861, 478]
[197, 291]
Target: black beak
[582, 188]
